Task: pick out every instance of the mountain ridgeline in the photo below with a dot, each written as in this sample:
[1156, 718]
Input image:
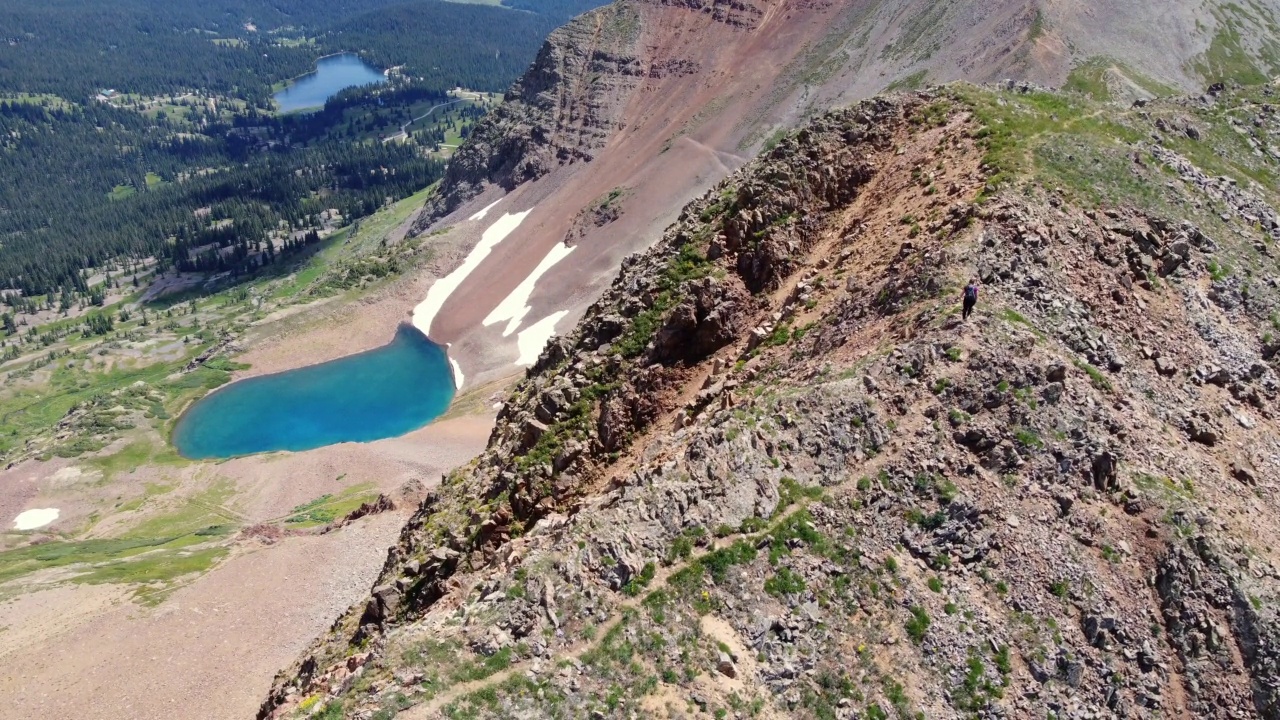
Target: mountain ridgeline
[773, 473]
[778, 61]
[771, 469]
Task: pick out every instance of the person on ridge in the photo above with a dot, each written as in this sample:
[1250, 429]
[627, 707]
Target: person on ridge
[970, 297]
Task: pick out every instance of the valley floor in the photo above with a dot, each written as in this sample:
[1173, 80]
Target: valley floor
[170, 588]
[208, 646]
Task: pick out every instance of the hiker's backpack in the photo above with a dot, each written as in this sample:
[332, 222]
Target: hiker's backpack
[971, 293]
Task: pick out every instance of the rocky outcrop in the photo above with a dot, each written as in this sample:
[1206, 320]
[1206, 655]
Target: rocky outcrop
[605, 210]
[1215, 622]
[378, 505]
[737, 13]
[579, 92]
[772, 467]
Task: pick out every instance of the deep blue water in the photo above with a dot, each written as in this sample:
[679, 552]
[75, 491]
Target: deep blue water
[377, 394]
[332, 74]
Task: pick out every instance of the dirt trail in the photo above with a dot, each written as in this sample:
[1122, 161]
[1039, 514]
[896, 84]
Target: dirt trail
[871, 208]
[432, 707]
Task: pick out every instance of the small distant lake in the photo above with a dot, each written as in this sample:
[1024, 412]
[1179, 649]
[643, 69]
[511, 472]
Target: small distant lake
[333, 74]
[377, 394]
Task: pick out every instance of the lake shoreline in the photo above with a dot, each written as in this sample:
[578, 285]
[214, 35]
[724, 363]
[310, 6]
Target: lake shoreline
[341, 76]
[375, 394]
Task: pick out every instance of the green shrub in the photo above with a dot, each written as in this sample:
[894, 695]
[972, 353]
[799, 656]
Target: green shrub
[796, 526]
[640, 581]
[784, 582]
[681, 549]
[918, 625]
[791, 492]
[1014, 316]
[717, 563]
[781, 335]
[1099, 380]
[332, 711]
[928, 522]
[947, 490]
[1218, 272]
[1003, 663]
[1028, 438]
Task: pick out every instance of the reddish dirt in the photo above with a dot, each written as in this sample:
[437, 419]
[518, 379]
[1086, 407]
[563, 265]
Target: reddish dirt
[679, 134]
[675, 134]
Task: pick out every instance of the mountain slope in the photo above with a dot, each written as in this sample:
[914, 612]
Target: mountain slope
[772, 473]
[633, 109]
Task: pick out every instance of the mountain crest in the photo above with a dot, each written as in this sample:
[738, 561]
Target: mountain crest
[773, 468]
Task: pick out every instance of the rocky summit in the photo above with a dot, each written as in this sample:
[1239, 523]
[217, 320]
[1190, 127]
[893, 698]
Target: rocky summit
[773, 473]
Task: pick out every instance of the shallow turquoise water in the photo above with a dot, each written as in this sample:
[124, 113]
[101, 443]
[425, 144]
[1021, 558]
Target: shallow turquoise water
[377, 394]
[332, 74]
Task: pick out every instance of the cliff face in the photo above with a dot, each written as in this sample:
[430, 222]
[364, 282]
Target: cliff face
[773, 473]
[659, 100]
[583, 89]
[653, 102]
[561, 111]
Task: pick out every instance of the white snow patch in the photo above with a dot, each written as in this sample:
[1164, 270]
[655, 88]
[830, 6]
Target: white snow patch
[32, 519]
[457, 375]
[516, 305]
[440, 291]
[484, 210]
[532, 339]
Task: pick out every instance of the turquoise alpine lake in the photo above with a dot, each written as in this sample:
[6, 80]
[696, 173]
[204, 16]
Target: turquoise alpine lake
[378, 394]
[332, 75]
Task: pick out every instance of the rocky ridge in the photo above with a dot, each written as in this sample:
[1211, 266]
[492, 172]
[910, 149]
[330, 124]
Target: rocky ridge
[771, 473]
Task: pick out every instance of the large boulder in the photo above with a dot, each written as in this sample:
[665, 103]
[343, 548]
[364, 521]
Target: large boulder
[712, 315]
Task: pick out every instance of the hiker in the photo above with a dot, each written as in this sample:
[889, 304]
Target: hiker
[970, 297]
